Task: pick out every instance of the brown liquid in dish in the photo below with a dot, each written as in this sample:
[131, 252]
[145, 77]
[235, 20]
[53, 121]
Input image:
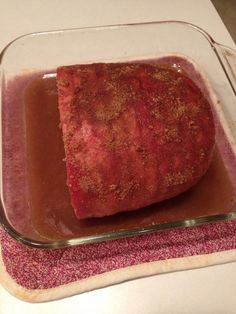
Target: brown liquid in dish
[51, 213]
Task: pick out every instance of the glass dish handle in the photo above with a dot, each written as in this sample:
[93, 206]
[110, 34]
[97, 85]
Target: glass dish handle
[227, 57]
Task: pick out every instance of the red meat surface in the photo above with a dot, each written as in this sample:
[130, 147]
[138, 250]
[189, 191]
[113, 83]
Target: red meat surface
[134, 134]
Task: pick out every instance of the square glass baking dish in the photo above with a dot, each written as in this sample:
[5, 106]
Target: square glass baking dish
[33, 58]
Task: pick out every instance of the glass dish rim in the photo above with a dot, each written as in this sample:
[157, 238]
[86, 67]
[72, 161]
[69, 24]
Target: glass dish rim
[135, 231]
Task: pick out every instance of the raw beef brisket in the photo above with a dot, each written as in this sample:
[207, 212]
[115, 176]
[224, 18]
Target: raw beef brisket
[133, 133]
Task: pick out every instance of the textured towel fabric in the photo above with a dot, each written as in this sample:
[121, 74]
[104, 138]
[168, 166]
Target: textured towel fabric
[43, 269]
[39, 275]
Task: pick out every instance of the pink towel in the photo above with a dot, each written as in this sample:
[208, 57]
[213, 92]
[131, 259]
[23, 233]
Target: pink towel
[36, 271]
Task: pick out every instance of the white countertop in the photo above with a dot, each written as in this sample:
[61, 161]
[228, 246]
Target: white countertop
[207, 290]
